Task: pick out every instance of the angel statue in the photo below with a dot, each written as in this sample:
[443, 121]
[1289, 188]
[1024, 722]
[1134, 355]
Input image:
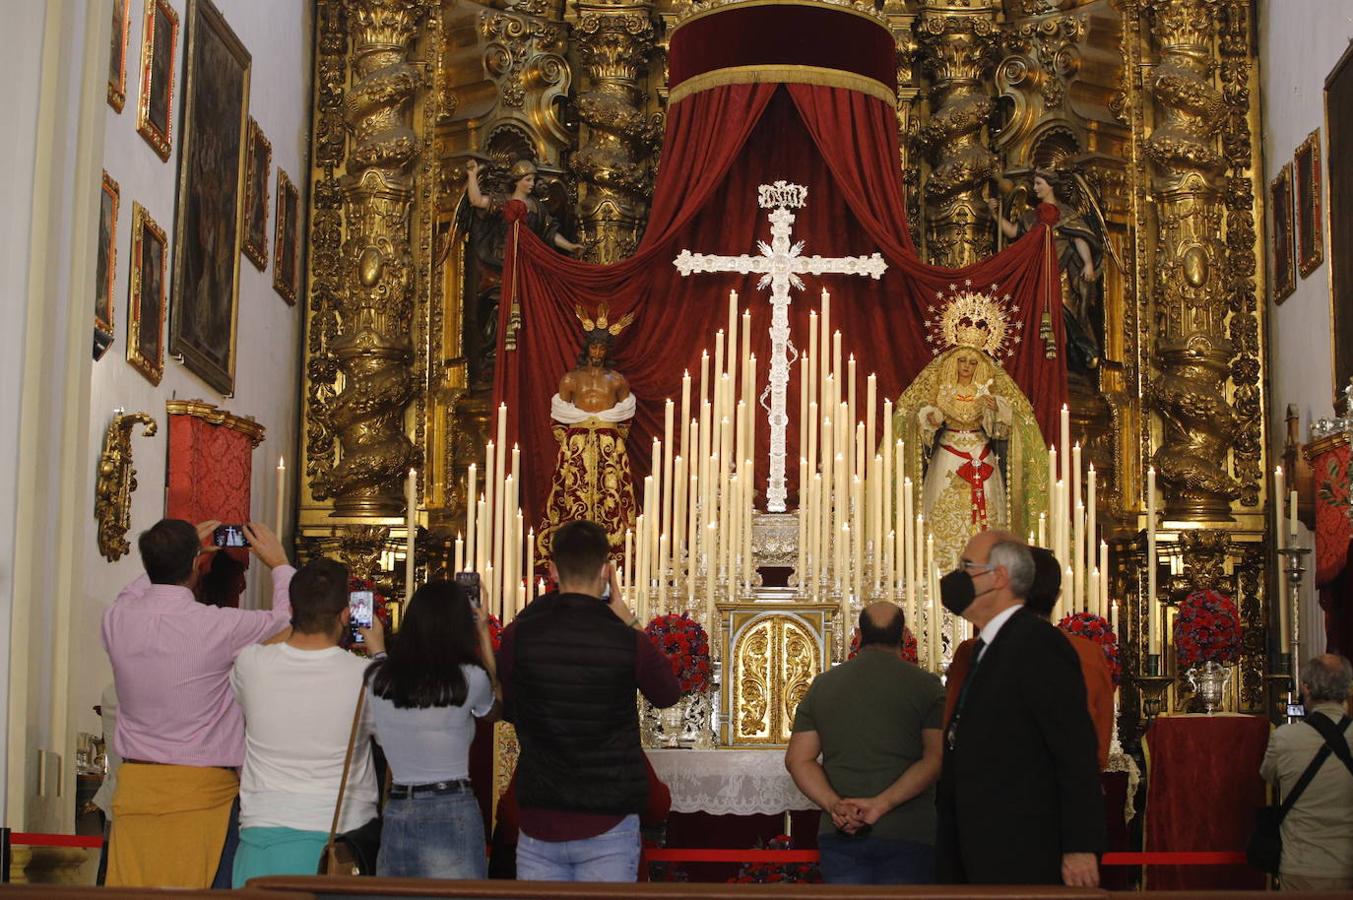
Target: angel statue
[483, 215]
[973, 444]
[1080, 237]
[591, 412]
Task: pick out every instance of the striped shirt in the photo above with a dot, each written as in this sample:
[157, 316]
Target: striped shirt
[171, 659]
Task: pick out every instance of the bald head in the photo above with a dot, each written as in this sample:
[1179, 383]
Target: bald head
[881, 624]
[1328, 679]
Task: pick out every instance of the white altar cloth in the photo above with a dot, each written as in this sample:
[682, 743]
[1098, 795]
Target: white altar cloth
[728, 782]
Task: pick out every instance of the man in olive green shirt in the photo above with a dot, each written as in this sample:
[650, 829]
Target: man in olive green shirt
[875, 722]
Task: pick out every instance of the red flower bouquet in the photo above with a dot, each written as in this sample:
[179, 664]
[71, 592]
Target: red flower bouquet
[1207, 629]
[1096, 628]
[770, 873]
[908, 645]
[685, 643]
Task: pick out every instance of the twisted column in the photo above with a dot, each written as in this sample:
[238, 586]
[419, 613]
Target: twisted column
[958, 40]
[1192, 349]
[614, 41]
[373, 347]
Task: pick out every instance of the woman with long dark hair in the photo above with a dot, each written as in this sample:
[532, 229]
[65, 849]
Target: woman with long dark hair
[424, 696]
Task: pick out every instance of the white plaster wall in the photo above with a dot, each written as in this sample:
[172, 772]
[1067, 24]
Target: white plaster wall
[1299, 44]
[267, 366]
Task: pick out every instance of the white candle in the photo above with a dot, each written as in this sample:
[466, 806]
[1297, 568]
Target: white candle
[851, 407]
[1279, 533]
[678, 532]
[692, 537]
[530, 561]
[411, 530]
[482, 528]
[280, 518]
[838, 374]
[662, 576]
[1043, 529]
[1066, 442]
[500, 507]
[1292, 511]
[1091, 537]
[1152, 625]
[471, 492]
[628, 570]
[665, 526]
[871, 388]
[685, 414]
[1102, 601]
[802, 570]
[459, 558]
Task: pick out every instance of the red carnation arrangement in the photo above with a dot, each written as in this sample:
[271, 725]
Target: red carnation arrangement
[908, 645]
[1096, 628]
[1207, 629]
[684, 642]
[770, 873]
[379, 604]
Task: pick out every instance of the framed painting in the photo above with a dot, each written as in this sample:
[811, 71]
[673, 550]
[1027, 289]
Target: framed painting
[208, 229]
[1339, 138]
[145, 299]
[286, 256]
[106, 268]
[1310, 215]
[1284, 259]
[154, 108]
[259, 157]
[117, 59]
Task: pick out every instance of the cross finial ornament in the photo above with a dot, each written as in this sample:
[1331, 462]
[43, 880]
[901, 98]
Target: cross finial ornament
[780, 263]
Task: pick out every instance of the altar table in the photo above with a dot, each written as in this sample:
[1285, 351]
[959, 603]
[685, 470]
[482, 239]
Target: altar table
[728, 782]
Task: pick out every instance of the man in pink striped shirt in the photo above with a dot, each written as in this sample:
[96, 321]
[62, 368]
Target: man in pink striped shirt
[179, 730]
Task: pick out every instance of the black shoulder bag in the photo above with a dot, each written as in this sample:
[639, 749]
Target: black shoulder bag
[1266, 844]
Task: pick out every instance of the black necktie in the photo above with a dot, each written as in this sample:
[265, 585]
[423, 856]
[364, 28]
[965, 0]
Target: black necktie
[952, 731]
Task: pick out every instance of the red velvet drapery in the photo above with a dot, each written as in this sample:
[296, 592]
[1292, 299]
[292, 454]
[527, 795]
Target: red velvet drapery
[721, 143]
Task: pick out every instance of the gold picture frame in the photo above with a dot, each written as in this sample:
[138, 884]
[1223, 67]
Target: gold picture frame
[286, 265]
[146, 296]
[106, 269]
[117, 60]
[155, 105]
[1310, 214]
[258, 160]
[1284, 251]
[208, 226]
[1339, 144]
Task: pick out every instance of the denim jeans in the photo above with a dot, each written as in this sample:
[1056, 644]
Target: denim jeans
[432, 836]
[874, 860]
[610, 856]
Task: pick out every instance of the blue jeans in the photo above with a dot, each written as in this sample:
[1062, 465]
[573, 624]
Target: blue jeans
[432, 836]
[874, 860]
[610, 856]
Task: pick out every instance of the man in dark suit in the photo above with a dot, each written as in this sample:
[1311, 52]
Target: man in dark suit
[1019, 793]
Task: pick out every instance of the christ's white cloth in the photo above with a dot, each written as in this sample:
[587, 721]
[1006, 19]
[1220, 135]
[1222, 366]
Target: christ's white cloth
[728, 782]
[566, 413]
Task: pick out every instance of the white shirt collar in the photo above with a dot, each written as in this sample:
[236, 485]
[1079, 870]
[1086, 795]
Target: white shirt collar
[989, 630]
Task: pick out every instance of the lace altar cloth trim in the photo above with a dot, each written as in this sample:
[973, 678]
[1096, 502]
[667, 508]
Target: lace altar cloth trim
[728, 782]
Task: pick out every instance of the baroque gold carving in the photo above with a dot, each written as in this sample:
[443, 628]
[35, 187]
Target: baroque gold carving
[359, 548]
[958, 41]
[1192, 347]
[614, 41]
[373, 343]
[753, 673]
[210, 412]
[776, 656]
[116, 482]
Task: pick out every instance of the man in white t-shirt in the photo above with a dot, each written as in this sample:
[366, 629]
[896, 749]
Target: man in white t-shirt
[299, 698]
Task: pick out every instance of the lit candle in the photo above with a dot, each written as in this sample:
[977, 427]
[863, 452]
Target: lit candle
[665, 527]
[678, 512]
[1103, 600]
[719, 411]
[411, 530]
[530, 561]
[871, 389]
[481, 527]
[838, 374]
[459, 558]
[685, 414]
[746, 336]
[851, 407]
[280, 518]
[1052, 496]
[732, 349]
[1077, 528]
[1091, 537]
[486, 532]
[1066, 442]
[1152, 626]
[824, 359]
[1113, 617]
[1278, 495]
[500, 507]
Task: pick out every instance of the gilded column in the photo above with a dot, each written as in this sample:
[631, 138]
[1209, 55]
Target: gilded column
[374, 347]
[958, 40]
[1192, 349]
[614, 39]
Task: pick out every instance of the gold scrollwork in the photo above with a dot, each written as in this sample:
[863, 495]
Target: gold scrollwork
[116, 482]
[210, 412]
[775, 657]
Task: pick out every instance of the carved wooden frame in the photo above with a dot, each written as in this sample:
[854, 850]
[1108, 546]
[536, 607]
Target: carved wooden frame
[287, 228]
[1308, 177]
[160, 140]
[1284, 236]
[117, 62]
[142, 225]
[105, 317]
[256, 195]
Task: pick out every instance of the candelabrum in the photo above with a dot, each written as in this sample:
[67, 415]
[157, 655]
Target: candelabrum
[1294, 559]
[1154, 689]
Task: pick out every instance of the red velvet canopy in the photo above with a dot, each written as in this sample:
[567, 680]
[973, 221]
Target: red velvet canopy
[736, 122]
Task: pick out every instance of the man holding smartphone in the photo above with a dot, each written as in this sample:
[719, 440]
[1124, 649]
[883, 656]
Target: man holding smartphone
[299, 697]
[179, 730]
[570, 664]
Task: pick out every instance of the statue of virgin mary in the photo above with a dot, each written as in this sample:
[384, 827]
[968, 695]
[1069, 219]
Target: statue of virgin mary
[973, 444]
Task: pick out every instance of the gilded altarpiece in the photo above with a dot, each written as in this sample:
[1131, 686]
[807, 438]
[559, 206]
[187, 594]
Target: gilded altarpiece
[1151, 104]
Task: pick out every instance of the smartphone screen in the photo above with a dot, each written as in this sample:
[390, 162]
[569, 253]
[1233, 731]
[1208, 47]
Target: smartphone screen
[470, 581]
[1296, 711]
[229, 536]
[363, 606]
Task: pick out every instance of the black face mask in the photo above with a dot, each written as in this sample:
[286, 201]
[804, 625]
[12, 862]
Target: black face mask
[957, 591]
